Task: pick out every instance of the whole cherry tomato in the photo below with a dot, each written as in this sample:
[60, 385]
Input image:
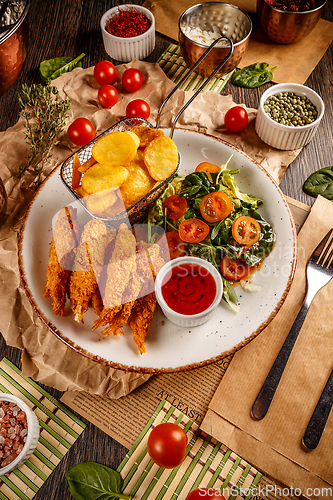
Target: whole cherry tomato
[235, 270]
[215, 206]
[209, 493]
[167, 445]
[175, 206]
[105, 73]
[107, 96]
[236, 119]
[246, 230]
[205, 166]
[132, 80]
[81, 131]
[193, 230]
[139, 108]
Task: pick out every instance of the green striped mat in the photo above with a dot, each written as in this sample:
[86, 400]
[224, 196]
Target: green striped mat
[174, 66]
[59, 429]
[207, 463]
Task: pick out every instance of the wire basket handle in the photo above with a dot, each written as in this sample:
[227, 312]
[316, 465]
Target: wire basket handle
[189, 72]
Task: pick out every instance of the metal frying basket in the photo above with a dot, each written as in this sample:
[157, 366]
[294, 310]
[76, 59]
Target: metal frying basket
[135, 212]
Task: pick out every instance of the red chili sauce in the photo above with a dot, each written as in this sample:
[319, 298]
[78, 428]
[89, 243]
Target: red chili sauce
[189, 289]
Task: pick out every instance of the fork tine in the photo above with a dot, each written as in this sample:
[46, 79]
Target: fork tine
[324, 250]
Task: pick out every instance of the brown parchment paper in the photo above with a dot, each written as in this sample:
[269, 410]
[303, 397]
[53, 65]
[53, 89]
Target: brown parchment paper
[45, 358]
[274, 443]
[295, 62]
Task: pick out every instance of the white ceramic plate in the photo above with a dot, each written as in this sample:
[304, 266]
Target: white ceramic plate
[168, 348]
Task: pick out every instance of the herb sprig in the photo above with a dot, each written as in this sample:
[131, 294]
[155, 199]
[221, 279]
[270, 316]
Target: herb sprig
[44, 114]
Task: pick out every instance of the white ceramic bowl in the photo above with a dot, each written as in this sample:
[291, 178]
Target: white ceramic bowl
[32, 436]
[187, 320]
[283, 136]
[126, 49]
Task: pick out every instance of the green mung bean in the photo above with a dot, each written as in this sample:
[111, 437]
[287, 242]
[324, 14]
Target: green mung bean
[290, 109]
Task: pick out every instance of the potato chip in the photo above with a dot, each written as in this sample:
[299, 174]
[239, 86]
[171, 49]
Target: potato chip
[100, 177]
[134, 136]
[98, 203]
[146, 134]
[161, 157]
[116, 148]
[137, 185]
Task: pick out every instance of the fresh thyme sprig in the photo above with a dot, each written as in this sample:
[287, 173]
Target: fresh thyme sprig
[44, 114]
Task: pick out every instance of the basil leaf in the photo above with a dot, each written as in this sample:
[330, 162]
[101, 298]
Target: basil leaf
[320, 182]
[52, 68]
[253, 76]
[92, 481]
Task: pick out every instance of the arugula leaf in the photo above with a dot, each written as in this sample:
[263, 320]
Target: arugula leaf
[320, 182]
[92, 481]
[52, 68]
[253, 76]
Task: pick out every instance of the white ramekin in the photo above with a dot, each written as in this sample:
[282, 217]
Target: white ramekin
[185, 319]
[32, 436]
[126, 49]
[282, 136]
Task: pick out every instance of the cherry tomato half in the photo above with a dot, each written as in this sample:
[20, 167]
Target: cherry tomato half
[105, 73]
[132, 80]
[215, 206]
[171, 246]
[210, 493]
[175, 206]
[81, 131]
[167, 445]
[236, 119]
[235, 270]
[193, 230]
[205, 166]
[107, 96]
[246, 230]
[138, 107]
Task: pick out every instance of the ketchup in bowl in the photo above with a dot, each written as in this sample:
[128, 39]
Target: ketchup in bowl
[188, 289]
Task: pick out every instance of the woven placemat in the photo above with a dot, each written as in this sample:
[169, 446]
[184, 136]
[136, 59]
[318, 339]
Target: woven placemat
[174, 66]
[59, 429]
[207, 463]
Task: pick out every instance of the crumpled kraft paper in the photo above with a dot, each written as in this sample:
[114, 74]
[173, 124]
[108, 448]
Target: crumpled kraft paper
[273, 444]
[45, 358]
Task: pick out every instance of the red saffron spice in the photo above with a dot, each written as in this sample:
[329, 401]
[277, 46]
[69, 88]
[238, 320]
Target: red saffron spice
[127, 23]
[189, 289]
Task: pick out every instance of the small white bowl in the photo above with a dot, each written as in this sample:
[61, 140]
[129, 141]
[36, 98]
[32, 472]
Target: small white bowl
[188, 320]
[32, 436]
[135, 47]
[283, 136]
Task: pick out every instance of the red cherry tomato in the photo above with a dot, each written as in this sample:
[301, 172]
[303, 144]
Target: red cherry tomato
[138, 107]
[193, 230]
[107, 96]
[246, 230]
[235, 270]
[132, 80]
[105, 73]
[205, 166]
[210, 493]
[236, 119]
[215, 206]
[81, 131]
[175, 206]
[171, 246]
[167, 445]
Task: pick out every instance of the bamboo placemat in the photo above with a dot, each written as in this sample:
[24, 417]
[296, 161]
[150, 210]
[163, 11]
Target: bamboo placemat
[174, 66]
[59, 429]
[207, 463]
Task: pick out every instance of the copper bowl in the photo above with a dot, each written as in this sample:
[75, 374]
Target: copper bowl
[287, 27]
[232, 22]
[13, 50]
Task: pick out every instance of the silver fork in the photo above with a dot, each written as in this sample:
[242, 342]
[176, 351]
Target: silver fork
[319, 271]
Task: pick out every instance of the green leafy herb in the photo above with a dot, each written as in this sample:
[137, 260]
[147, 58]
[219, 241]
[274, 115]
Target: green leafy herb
[52, 68]
[320, 182]
[92, 481]
[44, 114]
[253, 76]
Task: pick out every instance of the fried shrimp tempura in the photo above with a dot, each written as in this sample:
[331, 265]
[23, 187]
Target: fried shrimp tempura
[88, 264]
[61, 255]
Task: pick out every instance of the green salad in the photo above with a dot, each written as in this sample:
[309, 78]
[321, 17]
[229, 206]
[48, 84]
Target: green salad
[206, 215]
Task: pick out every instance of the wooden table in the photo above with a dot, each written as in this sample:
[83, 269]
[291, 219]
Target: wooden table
[68, 28]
